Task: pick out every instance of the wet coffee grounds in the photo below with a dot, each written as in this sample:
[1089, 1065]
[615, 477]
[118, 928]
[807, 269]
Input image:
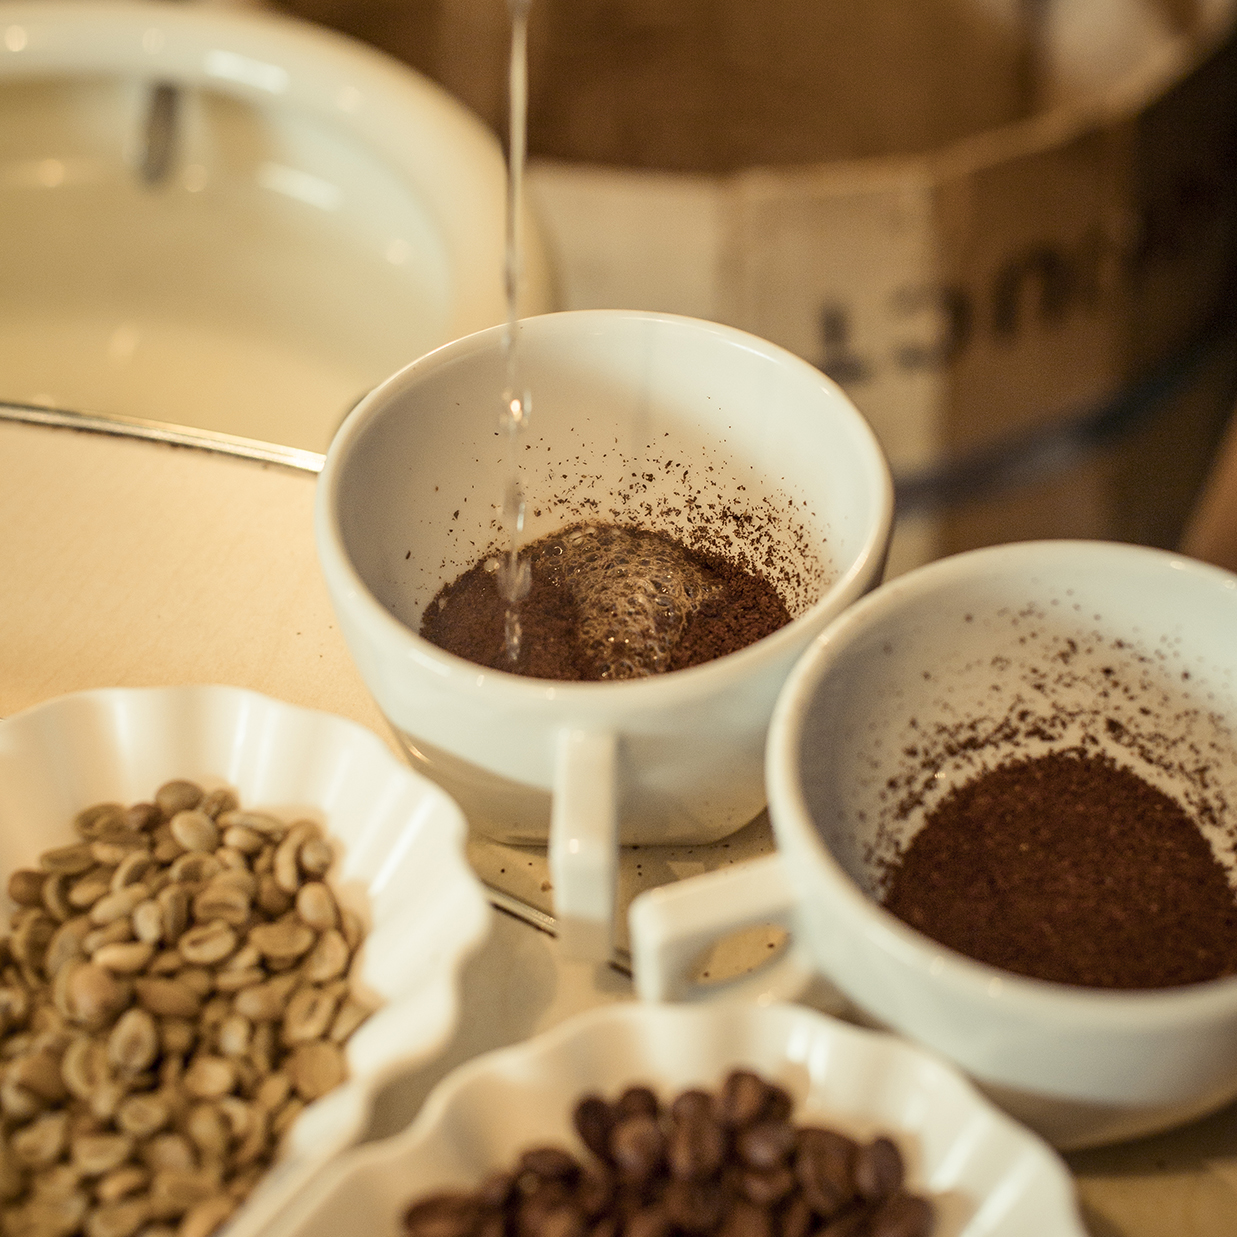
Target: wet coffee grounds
[606, 602]
[729, 1163]
[1072, 868]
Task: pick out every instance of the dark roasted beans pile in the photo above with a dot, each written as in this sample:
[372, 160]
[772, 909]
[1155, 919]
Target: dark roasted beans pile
[729, 1162]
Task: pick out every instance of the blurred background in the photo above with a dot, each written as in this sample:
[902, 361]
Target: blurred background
[1006, 227]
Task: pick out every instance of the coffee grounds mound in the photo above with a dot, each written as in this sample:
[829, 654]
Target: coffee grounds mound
[1071, 868]
[730, 608]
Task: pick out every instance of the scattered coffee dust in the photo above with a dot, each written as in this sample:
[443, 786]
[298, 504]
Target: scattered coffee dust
[607, 601]
[1069, 867]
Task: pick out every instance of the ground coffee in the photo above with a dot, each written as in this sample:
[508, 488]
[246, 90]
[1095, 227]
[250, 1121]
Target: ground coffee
[1069, 867]
[607, 601]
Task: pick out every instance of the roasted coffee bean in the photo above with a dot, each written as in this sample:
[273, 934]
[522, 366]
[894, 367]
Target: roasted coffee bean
[744, 1219]
[674, 1170]
[741, 1099]
[536, 1197]
[608, 1225]
[695, 1206]
[637, 1102]
[796, 1218]
[550, 1164]
[595, 1190]
[901, 1215]
[638, 1147]
[853, 1222]
[825, 1168]
[778, 1104]
[546, 1217]
[878, 1169]
[691, 1103]
[443, 1215]
[496, 1190]
[593, 1119]
[696, 1147]
[648, 1222]
[629, 1198]
[766, 1187]
[766, 1144]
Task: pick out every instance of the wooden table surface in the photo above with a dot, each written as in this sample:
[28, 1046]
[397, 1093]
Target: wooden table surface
[129, 563]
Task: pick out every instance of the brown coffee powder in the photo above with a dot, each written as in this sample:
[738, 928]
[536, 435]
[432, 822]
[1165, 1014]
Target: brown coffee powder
[607, 602]
[1069, 867]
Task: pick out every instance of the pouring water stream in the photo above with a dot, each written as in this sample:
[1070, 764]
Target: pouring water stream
[514, 576]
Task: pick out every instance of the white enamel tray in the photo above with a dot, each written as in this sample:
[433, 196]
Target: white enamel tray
[989, 1176]
[399, 857]
[323, 215]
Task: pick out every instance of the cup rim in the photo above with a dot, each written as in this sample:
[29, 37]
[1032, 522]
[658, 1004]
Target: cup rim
[459, 674]
[816, 872]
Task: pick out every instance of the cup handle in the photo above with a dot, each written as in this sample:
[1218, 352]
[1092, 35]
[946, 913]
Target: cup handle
[673, 925]
[583, 849]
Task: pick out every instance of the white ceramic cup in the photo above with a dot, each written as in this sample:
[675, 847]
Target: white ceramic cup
[1001, 645]
[668, 422]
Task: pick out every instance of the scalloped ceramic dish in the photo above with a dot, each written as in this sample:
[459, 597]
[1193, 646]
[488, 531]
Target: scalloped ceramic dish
[989, 1176]
[399, 857]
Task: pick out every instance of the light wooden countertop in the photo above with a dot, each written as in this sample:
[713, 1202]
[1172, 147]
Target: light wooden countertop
[128, 563]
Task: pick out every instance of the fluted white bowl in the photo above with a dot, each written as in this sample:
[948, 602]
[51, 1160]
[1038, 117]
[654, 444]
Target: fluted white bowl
[988, 1176]
[398, 839]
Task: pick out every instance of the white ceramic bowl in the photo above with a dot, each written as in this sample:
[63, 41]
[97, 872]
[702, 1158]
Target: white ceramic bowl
[328, 215]
[399, 856]
[987, 1174]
